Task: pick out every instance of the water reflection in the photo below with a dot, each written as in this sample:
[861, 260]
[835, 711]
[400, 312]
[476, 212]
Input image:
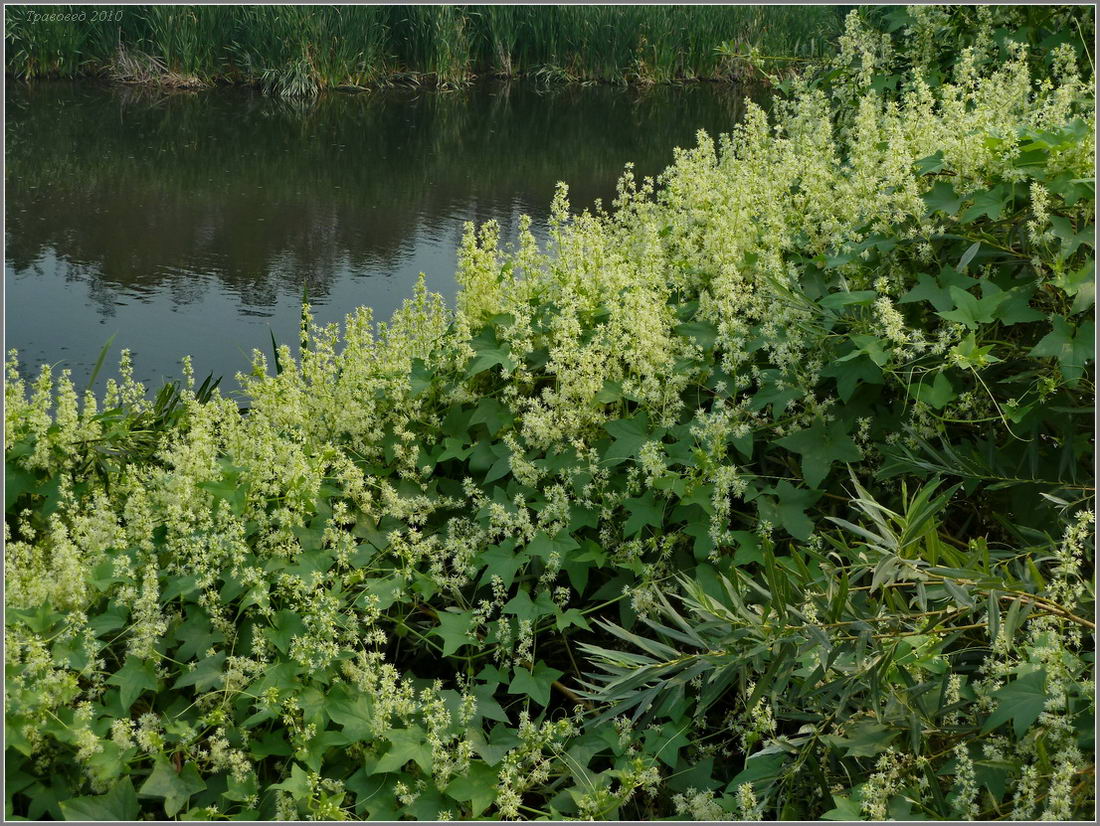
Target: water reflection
[189, 223]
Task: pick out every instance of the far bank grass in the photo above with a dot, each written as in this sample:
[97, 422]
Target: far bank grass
[299, 50]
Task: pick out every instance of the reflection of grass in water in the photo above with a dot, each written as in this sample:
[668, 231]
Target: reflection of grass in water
[131, 179]
[175, 141]
[297, 50]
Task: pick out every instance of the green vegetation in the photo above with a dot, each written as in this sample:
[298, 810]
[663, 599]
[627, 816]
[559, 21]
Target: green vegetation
[298, 50]
[767, 494]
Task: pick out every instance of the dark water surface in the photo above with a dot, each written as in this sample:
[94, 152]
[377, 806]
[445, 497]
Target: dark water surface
[189, 222]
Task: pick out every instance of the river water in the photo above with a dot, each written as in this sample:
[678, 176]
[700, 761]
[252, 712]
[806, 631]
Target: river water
[189, 223]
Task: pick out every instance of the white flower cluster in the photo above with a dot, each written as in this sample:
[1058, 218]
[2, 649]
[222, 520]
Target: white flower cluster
[277, 502]
[527, 765]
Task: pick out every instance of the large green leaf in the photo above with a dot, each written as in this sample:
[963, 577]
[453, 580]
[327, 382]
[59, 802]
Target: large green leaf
[943, 198]
[206, 675]
[489, 352]
[788, 509]
[703, 333]
[1071, 238]
[535, 683]
[133, 678]
[523, 607]
[1015, 307]
[354, 713]
[776, 391]
[120, 803]
[864, 739]
[501, 467]
[937, 392]
[851, 374]
[1021, 701]
[503, 560]
[665, 742]
[1071, 346]
[477, 786]
[987, 202]
[629, 435]
[760, 767]
[644, 510]
[420, 377]
[453, 628]
[844, 808]
[406, 744]
[929, 164]
[839, 300]
[174, 787]
[1080, 284]
[17, 481]
[297, 785]
[454, 449]
[973, 311]
[820, 446]
[937, 290]
[542, 545]
[492, 414]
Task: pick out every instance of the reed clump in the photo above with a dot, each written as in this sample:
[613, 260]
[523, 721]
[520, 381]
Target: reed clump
[764, 494]
[146, 70]
[301, 50]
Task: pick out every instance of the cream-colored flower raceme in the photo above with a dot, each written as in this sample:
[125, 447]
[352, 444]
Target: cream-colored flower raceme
[700, 805]
[327, 467]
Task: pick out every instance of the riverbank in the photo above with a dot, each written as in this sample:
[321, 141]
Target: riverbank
[300, 50]
[766, 494]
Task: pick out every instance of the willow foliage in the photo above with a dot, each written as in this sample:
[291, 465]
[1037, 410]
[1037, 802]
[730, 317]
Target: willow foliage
[765, 493]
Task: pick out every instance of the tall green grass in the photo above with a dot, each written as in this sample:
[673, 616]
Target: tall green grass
[298, 50]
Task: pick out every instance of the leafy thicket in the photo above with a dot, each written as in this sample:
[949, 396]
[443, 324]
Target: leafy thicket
[299, 50]
[765, 495]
